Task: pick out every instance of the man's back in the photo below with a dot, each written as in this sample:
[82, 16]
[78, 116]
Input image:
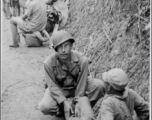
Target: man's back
[114, 107]
[37, 18]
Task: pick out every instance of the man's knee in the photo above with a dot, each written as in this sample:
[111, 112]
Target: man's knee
[43, 107]
[14, 20]
[47, 105]
[98, 89]
[98, 84]
[85, 108]
[47, 109]
[84, 101]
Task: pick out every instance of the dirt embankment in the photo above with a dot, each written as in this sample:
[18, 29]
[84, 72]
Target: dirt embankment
[114, 33]
[22, 85]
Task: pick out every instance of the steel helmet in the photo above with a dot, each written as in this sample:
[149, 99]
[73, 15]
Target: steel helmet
[60, 37]
[117, 78]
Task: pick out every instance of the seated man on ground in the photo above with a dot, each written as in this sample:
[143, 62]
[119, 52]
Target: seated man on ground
[120, 102]
[33, 20]
[70, 89]
[53, 19]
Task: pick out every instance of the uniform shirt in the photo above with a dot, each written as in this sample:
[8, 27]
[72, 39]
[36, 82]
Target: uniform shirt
[56, 71]
[115, 107]
[37, 18]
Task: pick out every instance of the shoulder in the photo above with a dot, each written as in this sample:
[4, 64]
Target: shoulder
[131, 92]
[111, 100]
[107, 104]
[31, 4]
[108, 100]
[82, 58]
[133, 95]
[50, 60]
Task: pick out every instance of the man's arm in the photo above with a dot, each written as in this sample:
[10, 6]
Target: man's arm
[46, 34]
[40, 37]
[55, 90]
[82, 78]
[29, 10]
[141, 107]
[55, 28]
[51, 34]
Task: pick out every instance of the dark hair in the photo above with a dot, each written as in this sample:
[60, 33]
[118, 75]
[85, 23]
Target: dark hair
[114, 91]
[70, 40]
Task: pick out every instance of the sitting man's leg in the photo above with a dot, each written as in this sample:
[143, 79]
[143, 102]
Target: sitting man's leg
[40, 37]
[48, 105]
[95, 90]
[15, 21]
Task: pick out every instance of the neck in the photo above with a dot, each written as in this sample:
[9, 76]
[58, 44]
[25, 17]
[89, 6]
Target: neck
[115, 92]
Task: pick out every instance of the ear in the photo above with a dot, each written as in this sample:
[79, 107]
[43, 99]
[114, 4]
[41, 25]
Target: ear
[71, 46]
[109, 87]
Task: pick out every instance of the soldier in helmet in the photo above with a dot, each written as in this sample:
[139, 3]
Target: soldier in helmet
[120, 102]
[69, 87]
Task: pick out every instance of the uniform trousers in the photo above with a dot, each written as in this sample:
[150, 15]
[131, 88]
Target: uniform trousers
[95, 90]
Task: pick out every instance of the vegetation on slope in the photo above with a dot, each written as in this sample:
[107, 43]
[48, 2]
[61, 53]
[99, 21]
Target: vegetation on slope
[114, 33]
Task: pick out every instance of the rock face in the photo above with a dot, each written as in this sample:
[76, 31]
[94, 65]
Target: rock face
[114, 33]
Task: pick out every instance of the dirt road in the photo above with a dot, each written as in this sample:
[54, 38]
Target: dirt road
[22, 78]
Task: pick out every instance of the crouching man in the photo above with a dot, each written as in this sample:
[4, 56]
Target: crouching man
[70, 90]
[120, 102]
[33, 20]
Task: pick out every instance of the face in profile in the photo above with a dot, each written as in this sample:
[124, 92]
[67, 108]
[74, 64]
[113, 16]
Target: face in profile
[64, 50]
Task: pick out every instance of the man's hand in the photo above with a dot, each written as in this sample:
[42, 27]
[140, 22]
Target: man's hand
[67, 109]
[77, 111]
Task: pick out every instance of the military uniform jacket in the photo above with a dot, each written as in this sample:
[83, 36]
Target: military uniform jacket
[114, 107]
[62, 80]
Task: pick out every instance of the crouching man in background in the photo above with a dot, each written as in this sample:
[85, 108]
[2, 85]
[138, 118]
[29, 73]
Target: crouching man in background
[70, 90]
